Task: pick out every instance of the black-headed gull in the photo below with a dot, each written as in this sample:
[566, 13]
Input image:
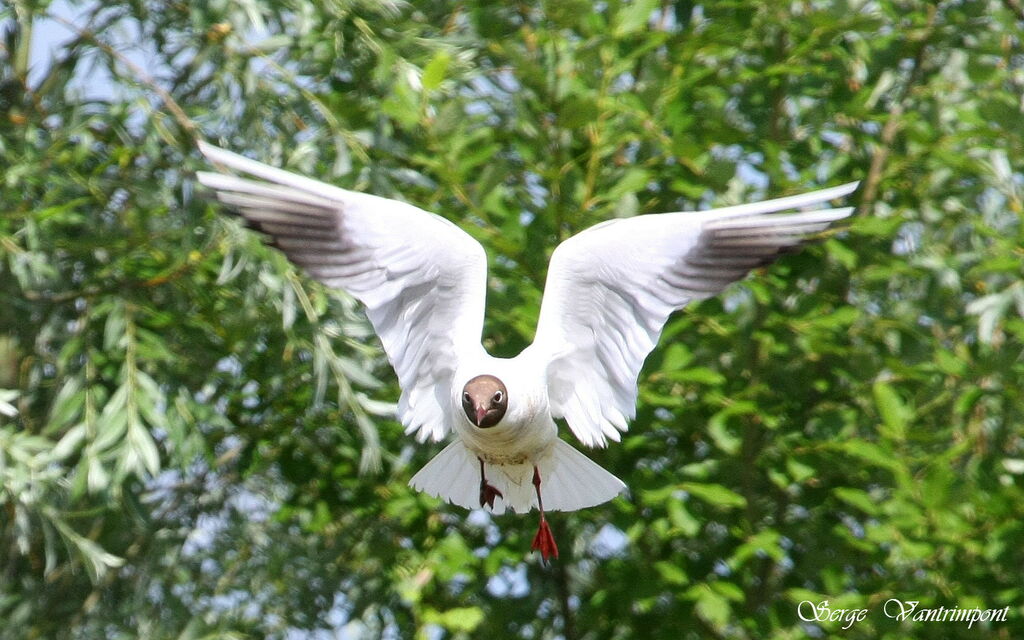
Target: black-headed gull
[609, 291]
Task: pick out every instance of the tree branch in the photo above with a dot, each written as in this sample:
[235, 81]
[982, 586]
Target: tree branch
[140, 75]
[1016, 8]
[894, 121]
[562, 585]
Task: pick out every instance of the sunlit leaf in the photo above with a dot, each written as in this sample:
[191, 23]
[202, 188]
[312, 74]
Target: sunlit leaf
[434, 72]
[714, 494]
[895, 414]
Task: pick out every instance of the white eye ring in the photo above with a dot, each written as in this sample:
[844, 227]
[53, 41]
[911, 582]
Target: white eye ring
[465, 397]
[498, 395]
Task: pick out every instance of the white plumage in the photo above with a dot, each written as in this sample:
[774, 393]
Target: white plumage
[609, 292]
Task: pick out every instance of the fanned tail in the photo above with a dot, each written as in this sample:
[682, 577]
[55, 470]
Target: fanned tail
[569, 480]
[452, 475]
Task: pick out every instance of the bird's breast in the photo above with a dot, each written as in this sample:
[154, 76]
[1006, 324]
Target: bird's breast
[508, 443]
[505, 460]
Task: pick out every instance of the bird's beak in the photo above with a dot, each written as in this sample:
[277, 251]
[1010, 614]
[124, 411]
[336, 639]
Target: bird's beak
[480, 413]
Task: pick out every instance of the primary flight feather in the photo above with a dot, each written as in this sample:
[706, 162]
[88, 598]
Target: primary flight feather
[609, 291]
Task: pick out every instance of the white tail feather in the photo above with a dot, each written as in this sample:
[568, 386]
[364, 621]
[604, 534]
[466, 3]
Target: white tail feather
[453, 474]
[569, 480]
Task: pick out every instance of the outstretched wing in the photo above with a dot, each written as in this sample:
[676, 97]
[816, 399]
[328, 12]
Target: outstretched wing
[611, 288]
[422, 279]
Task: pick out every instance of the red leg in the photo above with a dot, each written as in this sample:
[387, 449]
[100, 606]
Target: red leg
[544, 541]
[488, 492]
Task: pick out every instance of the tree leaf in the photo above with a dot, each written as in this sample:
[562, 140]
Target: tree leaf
[714, 494]
[895, 414]
[435, 70]
[633, 17]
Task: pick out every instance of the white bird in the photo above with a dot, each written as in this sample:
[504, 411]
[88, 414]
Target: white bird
[609, 292]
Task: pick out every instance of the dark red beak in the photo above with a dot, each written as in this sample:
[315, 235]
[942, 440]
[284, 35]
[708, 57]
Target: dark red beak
[480, 413]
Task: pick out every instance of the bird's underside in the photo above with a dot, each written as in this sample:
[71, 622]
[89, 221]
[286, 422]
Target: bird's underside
[609, 292]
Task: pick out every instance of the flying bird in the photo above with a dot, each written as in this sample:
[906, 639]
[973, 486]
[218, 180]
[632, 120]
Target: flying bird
[609, 291]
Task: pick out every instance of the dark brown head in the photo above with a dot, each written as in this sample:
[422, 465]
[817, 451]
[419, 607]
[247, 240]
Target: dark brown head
[484, 399]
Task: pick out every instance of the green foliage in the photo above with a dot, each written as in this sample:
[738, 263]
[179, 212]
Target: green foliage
[196, 441]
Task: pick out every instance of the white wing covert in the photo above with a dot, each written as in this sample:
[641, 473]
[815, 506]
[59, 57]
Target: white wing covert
[421, 278]
[611, 288]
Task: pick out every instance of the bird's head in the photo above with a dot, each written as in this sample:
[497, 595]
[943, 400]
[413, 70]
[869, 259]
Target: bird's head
[485, 400]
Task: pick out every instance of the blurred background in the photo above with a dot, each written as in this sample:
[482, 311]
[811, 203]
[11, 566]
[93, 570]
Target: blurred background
[197, 441]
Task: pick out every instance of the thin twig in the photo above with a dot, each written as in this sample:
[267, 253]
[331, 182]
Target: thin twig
[562, 584]
[1016, 7]
[140, 74]
[352, 142]
[21, 55]
[894, 122]
[874, 177]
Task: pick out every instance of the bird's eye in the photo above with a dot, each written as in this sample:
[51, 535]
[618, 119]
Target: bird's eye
[498, 396]
[466, 398]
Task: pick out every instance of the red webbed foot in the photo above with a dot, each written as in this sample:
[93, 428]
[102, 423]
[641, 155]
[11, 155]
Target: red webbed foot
[544, 541]
[488, 492]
